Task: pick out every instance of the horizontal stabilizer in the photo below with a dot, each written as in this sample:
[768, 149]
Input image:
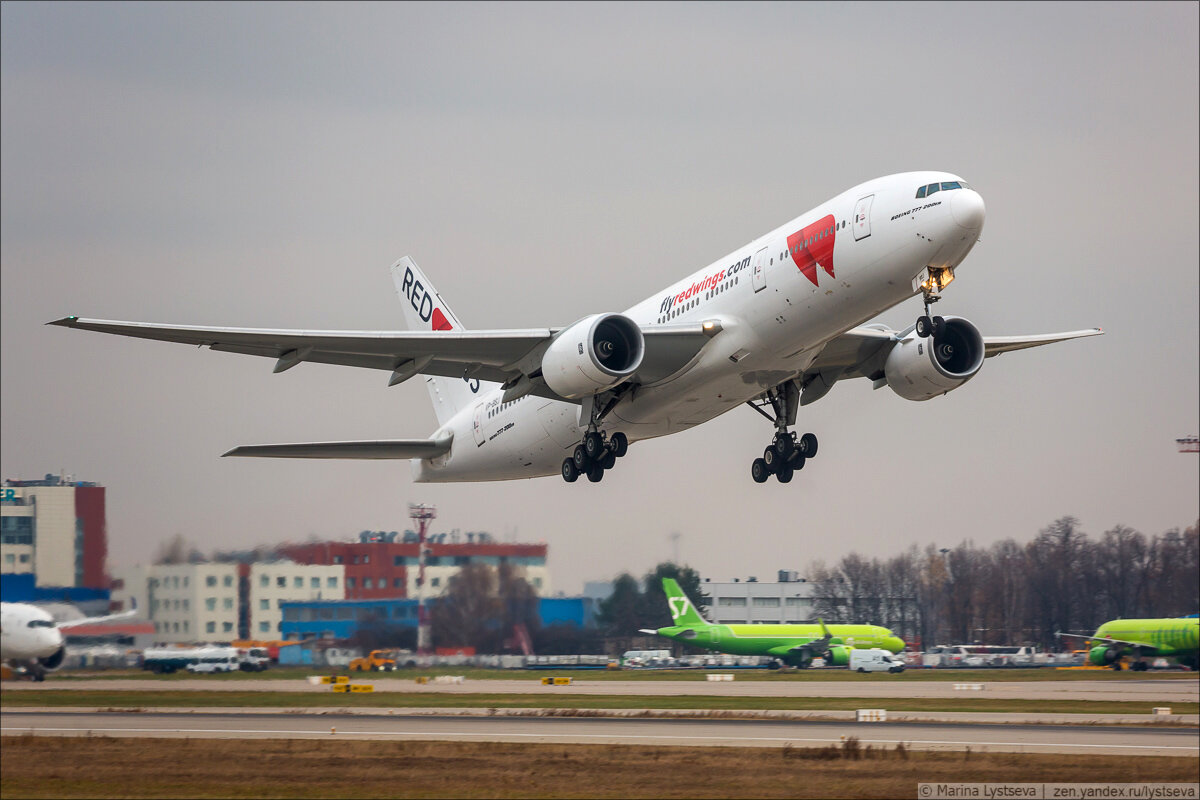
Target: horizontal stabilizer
[650, 631]
[383, 448]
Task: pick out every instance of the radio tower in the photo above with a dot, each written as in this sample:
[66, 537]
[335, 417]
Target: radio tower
[421, 514]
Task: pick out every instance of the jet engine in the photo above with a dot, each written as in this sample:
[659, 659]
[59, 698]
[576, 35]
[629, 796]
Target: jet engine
[838, 656]
[593, 354]
[918, 369]
[54, 660]
[1103, 656]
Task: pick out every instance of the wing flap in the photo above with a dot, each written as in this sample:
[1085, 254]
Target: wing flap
[377, 449]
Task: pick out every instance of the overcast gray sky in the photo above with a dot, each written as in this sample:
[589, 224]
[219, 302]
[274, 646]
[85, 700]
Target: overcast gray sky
[262, 165]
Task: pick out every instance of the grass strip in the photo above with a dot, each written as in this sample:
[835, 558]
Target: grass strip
[102, 767]
[385, 699]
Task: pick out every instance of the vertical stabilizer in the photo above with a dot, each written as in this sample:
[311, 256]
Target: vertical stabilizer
[425, 310]
[682, 610]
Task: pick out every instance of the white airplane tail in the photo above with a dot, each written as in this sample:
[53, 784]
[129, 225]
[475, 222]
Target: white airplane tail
[424, 309]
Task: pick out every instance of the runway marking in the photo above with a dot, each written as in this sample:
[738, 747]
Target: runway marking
[610, 736]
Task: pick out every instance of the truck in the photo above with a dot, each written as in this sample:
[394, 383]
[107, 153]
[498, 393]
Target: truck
[166, 660]
[875, 660]
[376, 661]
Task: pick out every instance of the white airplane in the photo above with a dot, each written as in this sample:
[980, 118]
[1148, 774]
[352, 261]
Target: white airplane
[30, 639]
[773, 325]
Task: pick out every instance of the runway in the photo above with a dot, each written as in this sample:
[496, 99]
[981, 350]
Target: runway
[1153, 692]
[1120, 741]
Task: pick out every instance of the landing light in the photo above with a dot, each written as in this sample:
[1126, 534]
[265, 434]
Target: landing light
[711, 327]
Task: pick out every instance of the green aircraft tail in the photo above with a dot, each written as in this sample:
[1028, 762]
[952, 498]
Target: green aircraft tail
[682, 610]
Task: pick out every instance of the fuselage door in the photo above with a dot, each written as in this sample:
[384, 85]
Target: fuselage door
[758, 271]
[862, 218]
[477, 424]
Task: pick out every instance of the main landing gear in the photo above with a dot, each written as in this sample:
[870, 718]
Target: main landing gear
[787, 452]
[594, 455]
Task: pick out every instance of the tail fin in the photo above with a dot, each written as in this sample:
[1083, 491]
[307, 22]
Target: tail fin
[682, 610]
[424, 309]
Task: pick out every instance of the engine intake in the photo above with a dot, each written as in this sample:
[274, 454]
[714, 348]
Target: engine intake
[918, 369]
[593, 354]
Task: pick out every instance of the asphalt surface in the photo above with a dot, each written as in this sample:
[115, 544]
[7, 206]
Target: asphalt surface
[1153, 692]
[1121, 741]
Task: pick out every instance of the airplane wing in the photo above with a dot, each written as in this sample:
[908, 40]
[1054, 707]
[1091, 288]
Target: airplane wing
[1127, 642]
[861, 353]
[502, 356]
[76, 623]
[386, 448]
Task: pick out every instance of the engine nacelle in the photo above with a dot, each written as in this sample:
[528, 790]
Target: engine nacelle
[838, 656]
[1103, 655]
[55, 659]
[918, 369]
[593, 354]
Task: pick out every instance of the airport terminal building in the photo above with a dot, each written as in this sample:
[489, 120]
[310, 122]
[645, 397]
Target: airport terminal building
[53, 530]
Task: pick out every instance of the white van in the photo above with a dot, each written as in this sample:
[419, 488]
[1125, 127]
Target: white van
[875, 660]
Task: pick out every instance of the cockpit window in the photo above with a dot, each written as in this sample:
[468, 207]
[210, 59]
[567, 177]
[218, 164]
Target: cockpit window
[40, 623]
[945, 186]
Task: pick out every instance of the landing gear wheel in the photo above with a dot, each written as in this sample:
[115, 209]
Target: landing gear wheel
[609, 461]
[938, 326]
[580, 457]
[797, 460]
[570, 472]
[784, 473]
[596, 474]
[593, 445]
[784, 445]
[924, 327]
[619, 444]
[760, 471]
[808, 445]
[770, 458]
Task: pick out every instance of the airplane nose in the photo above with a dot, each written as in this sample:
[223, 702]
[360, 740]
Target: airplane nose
[893, 643]
[967, 207]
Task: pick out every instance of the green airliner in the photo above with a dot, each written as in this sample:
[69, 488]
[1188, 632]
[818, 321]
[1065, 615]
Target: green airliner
[795, 645]
[1167, 637]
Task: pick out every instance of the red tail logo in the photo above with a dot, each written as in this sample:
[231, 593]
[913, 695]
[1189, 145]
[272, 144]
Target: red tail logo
[440, 323]
[814, 245]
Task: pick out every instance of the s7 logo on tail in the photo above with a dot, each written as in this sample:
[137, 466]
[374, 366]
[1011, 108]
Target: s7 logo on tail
[679, 606]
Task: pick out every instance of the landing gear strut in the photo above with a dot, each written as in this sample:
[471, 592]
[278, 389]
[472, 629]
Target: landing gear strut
[926, 325]
[787, 452]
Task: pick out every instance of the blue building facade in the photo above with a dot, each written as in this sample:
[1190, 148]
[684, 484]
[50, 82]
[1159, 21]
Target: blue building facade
[341, 619]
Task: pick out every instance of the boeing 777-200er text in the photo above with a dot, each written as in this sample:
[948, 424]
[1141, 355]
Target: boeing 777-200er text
[774, 324]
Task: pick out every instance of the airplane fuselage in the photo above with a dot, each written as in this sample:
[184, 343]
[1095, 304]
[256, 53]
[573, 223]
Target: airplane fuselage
[778, 300]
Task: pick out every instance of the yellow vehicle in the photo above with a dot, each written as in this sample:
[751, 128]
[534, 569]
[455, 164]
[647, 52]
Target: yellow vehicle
[376, 661]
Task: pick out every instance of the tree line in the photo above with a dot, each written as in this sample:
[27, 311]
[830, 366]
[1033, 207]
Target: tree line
[1012, 593]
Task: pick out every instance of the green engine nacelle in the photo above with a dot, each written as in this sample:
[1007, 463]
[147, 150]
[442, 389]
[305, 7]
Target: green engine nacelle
[1102, 656]
[838, 656]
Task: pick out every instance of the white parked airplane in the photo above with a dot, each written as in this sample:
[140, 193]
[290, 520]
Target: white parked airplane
[32, 641]
[772, 324]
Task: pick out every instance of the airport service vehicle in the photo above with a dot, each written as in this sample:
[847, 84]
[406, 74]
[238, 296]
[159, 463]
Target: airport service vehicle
[774, 324]
[215, 659]
[874, 659]
[375, 661]
[793, 645]
[253, 659]
[1177, 638]
[32, 643]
